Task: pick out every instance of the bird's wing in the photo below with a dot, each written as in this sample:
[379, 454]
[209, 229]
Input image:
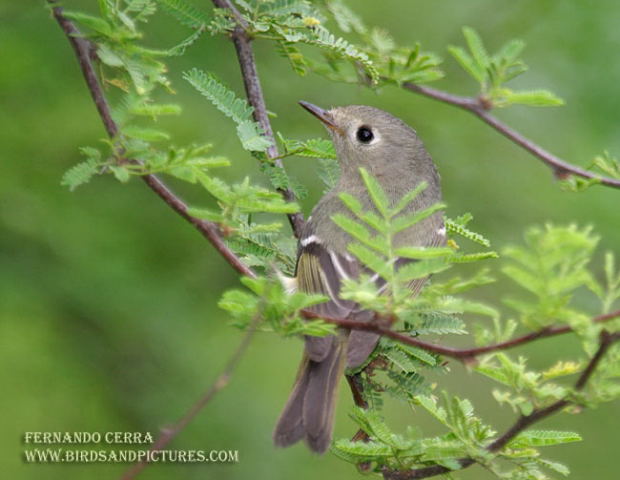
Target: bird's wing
[321, 270]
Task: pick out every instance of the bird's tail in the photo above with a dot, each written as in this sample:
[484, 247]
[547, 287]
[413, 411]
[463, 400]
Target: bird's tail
[309, 412]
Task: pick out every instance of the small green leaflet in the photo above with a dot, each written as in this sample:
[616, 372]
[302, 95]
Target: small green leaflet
[249, 132]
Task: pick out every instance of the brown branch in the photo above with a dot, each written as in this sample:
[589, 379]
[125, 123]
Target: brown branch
[209, 230]
[84, 51]
[254, 93]
[169, 433]
[357, 392]
[524, 421]
[464, 354]
[480, 108]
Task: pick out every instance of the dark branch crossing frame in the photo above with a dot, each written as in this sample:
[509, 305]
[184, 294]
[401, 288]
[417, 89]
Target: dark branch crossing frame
[211, 231]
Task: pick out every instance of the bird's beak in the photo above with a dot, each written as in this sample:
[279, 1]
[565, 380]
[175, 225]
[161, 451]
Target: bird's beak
[322, 115]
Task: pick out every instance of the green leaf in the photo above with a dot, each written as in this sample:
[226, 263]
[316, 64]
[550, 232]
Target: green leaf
[329, 172]
[420, 253]
[421, 355]
[94, 23]
[430, 404]
[251, 137]
[370, 218]
[108, 56]
[180, 48]
[370, 258]
[543, 438]
[279, 9]
[248, 131]
[146, 134]
[121, 173]
[376, 192]
[404, 222]
[205, 214]
[473, 257]
[80, 174]
[510, 52]
[439, 323]
[361, 233]
[314, 147]
[458, 227]
[360, 451]
[468, 64]
[533, 98]
[476, 47]
[224, 99]
[421, 269]
[409, 197]
[155, 109]
[294, 56]
[555, 466]
[323, 38]
[184, 12]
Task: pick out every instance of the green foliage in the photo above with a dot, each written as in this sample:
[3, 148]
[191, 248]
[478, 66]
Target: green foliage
[609, 292]
[322, 150]
[245, 197]
[542, 438]
[551, 266]
[467, 437]
[281, 180]
[403, 452]
[290, 23]
[605, 165]
[374, 234]
[394, 64]
[136, 71]
[185, 13]
[493, 71]
[529, 389]
[82, 172]
[257, 243]
[278, 309]
[458, 227]
[401, 368]
[605, 385]
[249, 132]
[313, 148]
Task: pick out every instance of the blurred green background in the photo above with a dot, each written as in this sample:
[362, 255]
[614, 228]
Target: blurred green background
[108, 317]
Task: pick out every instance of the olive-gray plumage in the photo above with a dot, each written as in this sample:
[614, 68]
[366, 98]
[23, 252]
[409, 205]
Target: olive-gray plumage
[392, 153]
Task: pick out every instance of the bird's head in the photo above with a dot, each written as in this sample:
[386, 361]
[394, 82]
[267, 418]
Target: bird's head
[367, 137]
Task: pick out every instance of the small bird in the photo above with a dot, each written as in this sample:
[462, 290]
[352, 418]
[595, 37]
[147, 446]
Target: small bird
[391, 151]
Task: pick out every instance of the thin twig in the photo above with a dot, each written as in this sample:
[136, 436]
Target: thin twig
[560, 168]
[254, 92]
[524, 421]
[462, 354]
[169, 433]
[83, 50]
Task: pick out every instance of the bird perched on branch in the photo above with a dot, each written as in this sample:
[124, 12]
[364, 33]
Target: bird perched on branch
[391, 152]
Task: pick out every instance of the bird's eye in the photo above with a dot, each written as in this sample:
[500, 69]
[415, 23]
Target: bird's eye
[364, 134]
